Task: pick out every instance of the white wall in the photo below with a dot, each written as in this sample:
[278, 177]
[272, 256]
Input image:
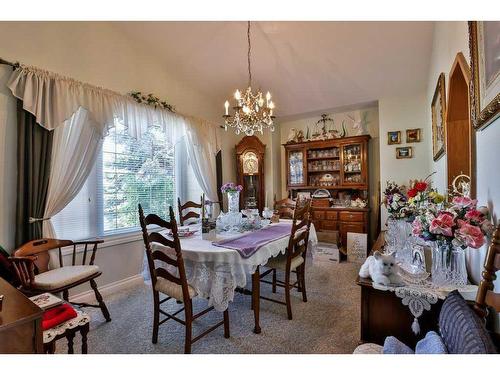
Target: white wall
[449, 39]
[96, 53]
[401, 113]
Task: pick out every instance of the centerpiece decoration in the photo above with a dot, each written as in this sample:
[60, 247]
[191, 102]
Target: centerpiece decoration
[231, 220]
[452, 228]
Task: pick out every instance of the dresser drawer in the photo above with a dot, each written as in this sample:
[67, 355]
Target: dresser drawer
[329, 225]
[318, 215]
[332, 215]
[351, 216]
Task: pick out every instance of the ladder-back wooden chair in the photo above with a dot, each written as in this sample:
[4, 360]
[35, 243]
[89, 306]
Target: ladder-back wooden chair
[172, 282]
[189, 205]
[285, 207]
[31, 263]
[485, 296]
[294, 259]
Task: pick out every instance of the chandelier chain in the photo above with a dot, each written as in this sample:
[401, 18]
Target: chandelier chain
[249, 55]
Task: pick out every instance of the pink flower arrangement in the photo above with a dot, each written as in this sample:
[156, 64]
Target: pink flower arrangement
[442, 224]
[460, 223]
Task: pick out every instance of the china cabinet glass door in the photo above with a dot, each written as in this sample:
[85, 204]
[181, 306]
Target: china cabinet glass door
[353, 173]
[296, 167]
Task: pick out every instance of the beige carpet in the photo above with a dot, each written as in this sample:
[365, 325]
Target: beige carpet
[328, 323]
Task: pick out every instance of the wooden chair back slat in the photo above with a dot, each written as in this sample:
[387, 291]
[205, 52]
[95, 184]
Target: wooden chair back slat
[485, 296]
[158, 237]
[299, 237]
[41, 248]
[160, 255]
[285, 207]
[189, 205]
[177, 263]
[164, 274]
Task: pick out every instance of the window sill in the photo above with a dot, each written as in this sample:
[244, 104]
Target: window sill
[109, 241]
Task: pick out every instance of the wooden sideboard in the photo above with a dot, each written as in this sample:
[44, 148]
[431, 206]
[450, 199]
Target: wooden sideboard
[340, 166]
[341, 219]
[20, 322]
[383, 314]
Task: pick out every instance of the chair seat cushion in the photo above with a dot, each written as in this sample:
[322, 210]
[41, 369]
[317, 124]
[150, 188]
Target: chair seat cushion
[63, 276]
[172, 289]
[368, 348]
[279, 262]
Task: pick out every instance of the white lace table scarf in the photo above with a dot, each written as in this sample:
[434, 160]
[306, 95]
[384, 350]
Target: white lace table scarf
[418, 300]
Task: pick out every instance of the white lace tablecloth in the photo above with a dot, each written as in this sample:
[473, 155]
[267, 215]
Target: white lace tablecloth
[215, 272]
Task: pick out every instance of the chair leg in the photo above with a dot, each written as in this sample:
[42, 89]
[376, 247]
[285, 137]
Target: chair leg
[84, 331]
[303, 281]
[226, 323]
[156, 316]
[188, 312]
[102, 305]
[274, 280]
[287, 295]
[65, 294]
[299, 281]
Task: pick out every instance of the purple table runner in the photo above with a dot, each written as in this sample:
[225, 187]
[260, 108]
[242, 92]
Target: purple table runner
[248, 244]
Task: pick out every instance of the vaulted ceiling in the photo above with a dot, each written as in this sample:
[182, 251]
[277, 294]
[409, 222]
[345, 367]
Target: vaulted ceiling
[307, 66]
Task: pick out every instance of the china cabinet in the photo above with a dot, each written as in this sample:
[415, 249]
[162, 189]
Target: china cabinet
[339, 166]
[250, 172]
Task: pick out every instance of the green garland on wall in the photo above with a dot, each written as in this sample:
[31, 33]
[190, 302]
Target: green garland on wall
[151, 99]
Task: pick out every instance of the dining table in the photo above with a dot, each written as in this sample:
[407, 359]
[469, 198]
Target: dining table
[217, 272]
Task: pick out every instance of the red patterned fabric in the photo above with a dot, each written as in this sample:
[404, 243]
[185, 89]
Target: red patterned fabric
[57, 315]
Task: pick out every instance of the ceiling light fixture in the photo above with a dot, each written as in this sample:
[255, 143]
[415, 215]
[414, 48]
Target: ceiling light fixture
[252, 112]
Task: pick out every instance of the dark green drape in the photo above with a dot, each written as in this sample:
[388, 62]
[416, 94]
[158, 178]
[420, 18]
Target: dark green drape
[34, 148]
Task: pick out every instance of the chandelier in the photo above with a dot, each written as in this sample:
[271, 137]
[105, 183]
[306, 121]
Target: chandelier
[252, 112]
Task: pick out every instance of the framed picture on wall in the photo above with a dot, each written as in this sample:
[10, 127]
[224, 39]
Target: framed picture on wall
[394, 138]
[404, 152]
[484, 45]
[438, 108]
[412, 135]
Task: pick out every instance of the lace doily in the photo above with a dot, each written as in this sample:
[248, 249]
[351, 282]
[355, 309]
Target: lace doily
[80, 320]
[417, 300]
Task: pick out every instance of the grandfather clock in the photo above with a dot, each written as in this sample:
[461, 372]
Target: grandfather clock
[250, 171]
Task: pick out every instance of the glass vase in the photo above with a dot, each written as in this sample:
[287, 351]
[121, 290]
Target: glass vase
[233, 201]
[399, 239]
[448, 265]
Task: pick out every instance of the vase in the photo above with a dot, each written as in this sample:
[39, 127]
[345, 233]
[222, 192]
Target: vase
[233, 201]
[448, 265]
[399, 239]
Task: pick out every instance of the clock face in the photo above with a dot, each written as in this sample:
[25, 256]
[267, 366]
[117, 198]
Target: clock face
[250, 163]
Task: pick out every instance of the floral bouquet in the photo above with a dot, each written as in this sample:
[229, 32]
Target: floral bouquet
[461, 224]
[396, 201]
[231, 187]
[421, 195]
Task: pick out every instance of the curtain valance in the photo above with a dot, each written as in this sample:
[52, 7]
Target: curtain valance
[53, 99]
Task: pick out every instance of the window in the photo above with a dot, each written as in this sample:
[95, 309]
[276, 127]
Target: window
[135, 171]
[128, 171]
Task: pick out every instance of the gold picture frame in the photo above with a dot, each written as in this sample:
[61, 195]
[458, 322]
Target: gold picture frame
[413, 135]
[485, 72]
[394, 137]
[438, 112]
[404, 152]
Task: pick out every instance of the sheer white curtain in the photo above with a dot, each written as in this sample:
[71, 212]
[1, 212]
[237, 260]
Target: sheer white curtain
[201, 146]
[74, 151]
